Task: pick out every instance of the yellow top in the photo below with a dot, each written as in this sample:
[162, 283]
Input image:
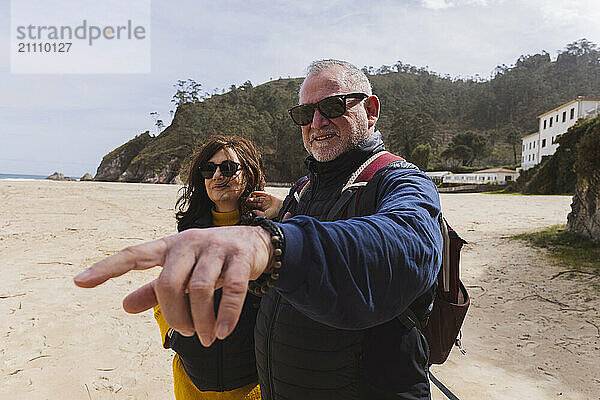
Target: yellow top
[225, 218]
[184, 388]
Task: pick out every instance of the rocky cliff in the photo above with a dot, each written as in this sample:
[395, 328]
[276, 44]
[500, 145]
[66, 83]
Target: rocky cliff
[115, 163]
[240, 112]
[584, 217]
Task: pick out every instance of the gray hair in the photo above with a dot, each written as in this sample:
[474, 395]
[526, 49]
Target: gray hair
[353, 78]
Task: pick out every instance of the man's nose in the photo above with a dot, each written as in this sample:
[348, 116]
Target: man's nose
[319, 121]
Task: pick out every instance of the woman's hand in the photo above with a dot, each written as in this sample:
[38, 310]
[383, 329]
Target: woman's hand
[263, 203]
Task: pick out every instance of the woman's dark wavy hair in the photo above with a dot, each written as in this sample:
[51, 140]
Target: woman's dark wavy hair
[194, 201]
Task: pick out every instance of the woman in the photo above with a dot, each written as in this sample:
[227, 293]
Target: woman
[222, 175]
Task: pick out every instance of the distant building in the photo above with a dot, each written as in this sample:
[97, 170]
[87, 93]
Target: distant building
[552, 124]
[494, 176]
[437, 176]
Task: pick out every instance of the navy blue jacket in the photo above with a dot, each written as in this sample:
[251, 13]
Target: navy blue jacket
[329, 329]
[364, 271]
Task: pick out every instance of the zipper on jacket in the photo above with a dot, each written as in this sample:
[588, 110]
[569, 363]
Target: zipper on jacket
[313, 191]
[269, 338]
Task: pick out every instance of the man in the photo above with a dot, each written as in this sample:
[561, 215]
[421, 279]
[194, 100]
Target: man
[332, 325]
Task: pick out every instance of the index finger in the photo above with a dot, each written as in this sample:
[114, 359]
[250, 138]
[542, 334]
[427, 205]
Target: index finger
[141, 256]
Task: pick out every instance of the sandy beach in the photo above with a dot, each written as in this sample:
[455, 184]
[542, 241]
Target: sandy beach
[529, 334]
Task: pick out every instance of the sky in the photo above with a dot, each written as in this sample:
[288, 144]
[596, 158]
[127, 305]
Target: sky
[68, 122]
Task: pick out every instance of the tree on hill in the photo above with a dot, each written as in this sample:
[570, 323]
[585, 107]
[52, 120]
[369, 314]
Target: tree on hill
[157, 121]
[467, 147]
[409, 130]
[513, 139]
[421, 155]
[187, 92]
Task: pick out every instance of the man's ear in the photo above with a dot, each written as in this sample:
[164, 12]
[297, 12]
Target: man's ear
[372, 108]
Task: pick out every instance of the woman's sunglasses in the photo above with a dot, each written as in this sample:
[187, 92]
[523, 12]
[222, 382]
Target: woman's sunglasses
[228, 169]
[329, 107]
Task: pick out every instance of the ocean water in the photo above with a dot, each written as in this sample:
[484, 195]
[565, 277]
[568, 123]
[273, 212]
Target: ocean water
[20, 177]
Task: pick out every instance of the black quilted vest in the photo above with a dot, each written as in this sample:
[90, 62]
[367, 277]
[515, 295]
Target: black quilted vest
[299, 358]
[227, 364]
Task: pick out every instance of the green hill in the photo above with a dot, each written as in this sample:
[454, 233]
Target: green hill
[502, 109]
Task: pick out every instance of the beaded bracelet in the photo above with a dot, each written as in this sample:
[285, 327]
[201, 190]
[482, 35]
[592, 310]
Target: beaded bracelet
[267, 280]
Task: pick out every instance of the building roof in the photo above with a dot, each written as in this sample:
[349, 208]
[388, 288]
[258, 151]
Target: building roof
[579, 98]
[492, 170]
[530, 135]
[437, 173]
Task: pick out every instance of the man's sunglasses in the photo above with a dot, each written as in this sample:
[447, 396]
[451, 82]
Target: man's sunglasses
[228, 169]
[329, 107]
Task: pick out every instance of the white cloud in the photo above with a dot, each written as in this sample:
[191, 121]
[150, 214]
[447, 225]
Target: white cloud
[562, 13]
[444, 4]
[438, 4]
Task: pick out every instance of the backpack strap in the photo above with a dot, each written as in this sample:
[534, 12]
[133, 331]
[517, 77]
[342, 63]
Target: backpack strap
[290, 202]
[302, 186]
[365, 172]
[357, 182]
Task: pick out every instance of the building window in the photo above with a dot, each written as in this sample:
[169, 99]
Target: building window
[556, 118]
[550, 122]
[533, 157]
[544, 124]
[572, 113]
[534, 145]
[543, 142]
[523, 147]
[564, 116]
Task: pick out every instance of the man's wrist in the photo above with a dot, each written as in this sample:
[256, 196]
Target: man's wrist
[275, 241]
[265, 237]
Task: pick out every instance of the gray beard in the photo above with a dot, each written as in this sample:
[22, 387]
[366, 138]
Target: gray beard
[330, 154]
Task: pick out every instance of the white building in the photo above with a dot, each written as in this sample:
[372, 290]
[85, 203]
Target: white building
[552, 124]
[495, 176]
[529, 155]
[437, 176]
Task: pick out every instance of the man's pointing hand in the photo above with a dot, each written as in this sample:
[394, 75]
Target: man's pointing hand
[195, 263]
